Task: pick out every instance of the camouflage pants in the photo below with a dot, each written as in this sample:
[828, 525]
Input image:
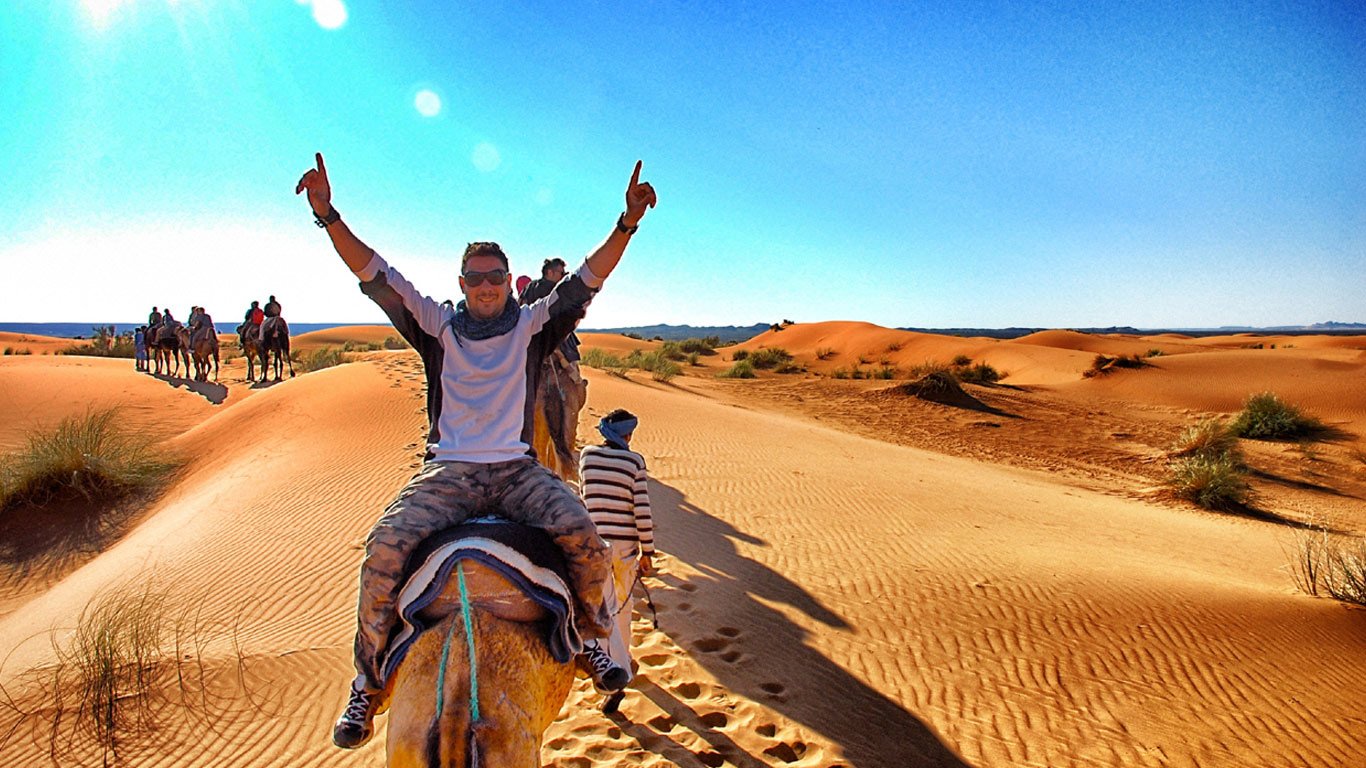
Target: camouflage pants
[443, 494]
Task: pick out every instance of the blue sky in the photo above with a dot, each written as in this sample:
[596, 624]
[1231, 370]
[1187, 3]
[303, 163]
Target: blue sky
[950, 164]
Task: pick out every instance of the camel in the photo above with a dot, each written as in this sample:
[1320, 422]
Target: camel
[171, 347]
[203, 350]
[276, 340]
[253, 349]
[521, 688]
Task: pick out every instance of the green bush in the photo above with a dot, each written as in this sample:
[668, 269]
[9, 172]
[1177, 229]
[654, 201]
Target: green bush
[770, 357]
[395, 342]
[742, 369]
[92, 455]
[703, 346]
[930, 367]
[320, 358]
[657, 363]
[739, 354]
[885, 372]
[105, 343]
[603, 360]
[1212, 481]
[1266, 416]
[1104, 364]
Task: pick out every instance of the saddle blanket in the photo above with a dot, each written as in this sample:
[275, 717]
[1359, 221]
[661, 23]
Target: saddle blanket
[490, 544]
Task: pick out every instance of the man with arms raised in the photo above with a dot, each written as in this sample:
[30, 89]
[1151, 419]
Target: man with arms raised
[482, 358]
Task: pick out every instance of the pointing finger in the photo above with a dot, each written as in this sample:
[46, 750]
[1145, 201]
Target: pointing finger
[635, 175]
[321, 168]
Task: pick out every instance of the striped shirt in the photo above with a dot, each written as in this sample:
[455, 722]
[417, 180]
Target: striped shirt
[616, 492]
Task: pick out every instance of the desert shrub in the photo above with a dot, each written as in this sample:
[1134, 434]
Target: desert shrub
[395, 342]
[603, 360]
[885, 372]
[672, 350]
[960, 361]
[739, 354]
[841, 373]
[105, 342]
[981, 373]
[864, 359]
[1104, 364]
[657, 363]
[349, 345]
[633, 335]
[318, 359]
[93, 456]
[894, 346]
[1323, 562]
[824, 353]
[703, 346]
[1266, 416]
[693, 358]
[1211, 437]
[741, 369]
[1154, 352]
[770, 357]
[1212, 481]
[18, 351]
[930, 367]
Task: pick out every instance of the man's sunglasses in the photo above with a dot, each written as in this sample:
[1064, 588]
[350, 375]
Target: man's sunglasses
[494, 276]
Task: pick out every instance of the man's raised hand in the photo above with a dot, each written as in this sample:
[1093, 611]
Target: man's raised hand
[639, 196]
[320, 192]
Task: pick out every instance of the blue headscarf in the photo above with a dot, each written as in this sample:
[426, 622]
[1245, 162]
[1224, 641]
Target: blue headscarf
[615, 432]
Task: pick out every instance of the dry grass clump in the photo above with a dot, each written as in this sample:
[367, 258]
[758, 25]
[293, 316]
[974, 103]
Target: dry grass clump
[1211, 437]
[657, 363]
[1214, 481]
[740, 369]
[395, 342]
[603, 360]
[91, 456]
[133, 657]
[1321, 561]
[1207, 467]
[1105, 364]
[825, 353]
[770, 357]
[938, 386]
[1267, 417]
[18, 351]
[318, 359]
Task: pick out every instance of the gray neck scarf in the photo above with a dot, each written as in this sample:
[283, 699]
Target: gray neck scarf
[471, 327]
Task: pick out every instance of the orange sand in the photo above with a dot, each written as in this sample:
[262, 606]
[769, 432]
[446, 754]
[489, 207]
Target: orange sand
[824, 599]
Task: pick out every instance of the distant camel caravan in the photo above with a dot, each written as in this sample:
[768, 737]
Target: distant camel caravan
[203, 349]
[169, 345]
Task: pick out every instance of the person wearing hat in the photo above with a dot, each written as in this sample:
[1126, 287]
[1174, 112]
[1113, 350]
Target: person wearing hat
[615, 486]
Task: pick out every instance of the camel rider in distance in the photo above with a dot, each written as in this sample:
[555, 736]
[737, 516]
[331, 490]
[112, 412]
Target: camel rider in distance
[271, 311]
[482, 360]
[251, 323]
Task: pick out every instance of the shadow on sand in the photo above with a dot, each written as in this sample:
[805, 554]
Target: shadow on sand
[871, 729]
[209, 390]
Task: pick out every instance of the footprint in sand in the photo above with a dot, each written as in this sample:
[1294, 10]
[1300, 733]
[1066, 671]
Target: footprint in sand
[730, 632]
[688, 586]
[712, 759]
[774, 690]
[766, 729]
[689, 691]
[788, 753]
[655, 659]
[711, 644]
[715, 720]
[685, 607]
[661, 723]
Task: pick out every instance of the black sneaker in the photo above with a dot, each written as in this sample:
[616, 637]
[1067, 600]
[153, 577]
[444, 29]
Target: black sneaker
[356, 725]
[606, 673]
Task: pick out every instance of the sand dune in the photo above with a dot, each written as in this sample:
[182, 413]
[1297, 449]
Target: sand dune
[824, 598]
[33, 344]
[357, 334]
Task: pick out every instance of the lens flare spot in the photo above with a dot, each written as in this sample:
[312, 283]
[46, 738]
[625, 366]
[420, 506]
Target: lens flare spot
[330, 14]
[428, 103]
[486, 157]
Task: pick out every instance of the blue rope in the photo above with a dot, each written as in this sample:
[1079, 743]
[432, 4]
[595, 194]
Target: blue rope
[469, 633]
[441, 673]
